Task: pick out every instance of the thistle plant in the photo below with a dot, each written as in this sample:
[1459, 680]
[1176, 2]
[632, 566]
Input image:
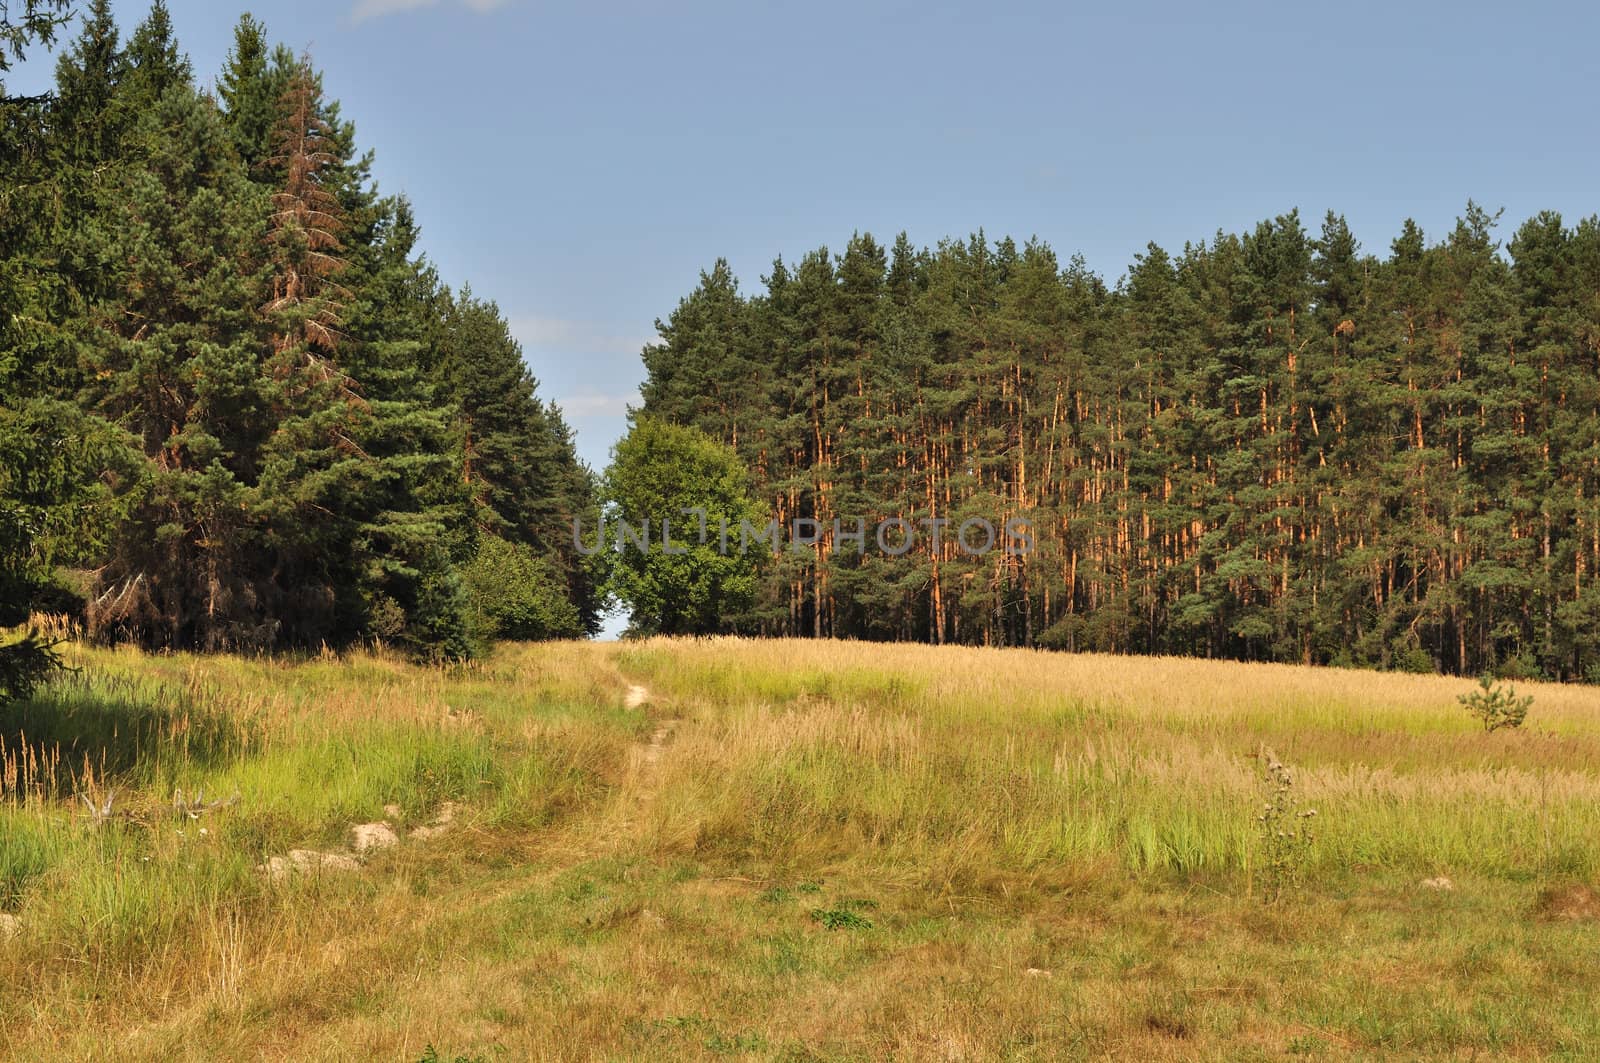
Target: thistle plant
[1496, 706]
[1284, 829]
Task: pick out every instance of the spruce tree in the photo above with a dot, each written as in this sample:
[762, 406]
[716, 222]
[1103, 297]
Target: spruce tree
[178, 365]
[36, 21]
[249, 89]
[516, 456]
[154, 64]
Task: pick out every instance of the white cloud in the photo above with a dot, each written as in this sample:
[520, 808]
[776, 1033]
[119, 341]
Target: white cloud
[367, 10]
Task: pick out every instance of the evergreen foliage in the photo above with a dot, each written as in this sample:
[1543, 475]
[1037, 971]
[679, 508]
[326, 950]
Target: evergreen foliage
[25, 662]
[1269, 446]
[237, 401]
[27, 22]
[230, 388]
[1496, 706]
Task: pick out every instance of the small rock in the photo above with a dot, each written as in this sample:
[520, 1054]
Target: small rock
[10, 926]
[441, 823]
[1441, 883]
[301, 861]
[310, 859]
[393, 811]
[368, 836]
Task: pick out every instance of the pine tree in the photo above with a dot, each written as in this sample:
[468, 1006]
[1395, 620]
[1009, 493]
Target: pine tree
[703, 367]
[1269, 446]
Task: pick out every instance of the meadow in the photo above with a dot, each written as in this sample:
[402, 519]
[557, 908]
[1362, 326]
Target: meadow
[791, 850]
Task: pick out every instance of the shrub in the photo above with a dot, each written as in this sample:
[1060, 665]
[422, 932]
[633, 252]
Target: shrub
[1521, 666]
[1415, 660]
[1496, 706]
[517, 594]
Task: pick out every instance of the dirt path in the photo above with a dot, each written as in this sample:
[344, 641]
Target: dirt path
[613, 825]
[655, 747]
[641, 786]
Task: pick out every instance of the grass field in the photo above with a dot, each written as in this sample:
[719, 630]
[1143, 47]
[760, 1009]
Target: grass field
[779, 850]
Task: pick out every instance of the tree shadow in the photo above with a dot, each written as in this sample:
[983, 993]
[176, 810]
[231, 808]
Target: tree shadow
[82, 731]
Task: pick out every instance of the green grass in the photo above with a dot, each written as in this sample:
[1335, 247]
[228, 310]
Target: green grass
[794, 851]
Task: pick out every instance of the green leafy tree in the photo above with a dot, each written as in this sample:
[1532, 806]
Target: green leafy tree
[680, 582]
[517, 593]
[65, 480]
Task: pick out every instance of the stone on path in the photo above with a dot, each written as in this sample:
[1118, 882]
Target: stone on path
[441, 823]
[308, 861]
[367, 836]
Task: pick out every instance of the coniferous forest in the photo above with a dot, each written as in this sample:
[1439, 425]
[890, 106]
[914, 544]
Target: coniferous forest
[238, 410]
[1270, 446]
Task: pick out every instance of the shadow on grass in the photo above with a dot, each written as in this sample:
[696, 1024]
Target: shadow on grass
[82, 730]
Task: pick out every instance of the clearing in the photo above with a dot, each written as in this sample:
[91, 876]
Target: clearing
[789, 850]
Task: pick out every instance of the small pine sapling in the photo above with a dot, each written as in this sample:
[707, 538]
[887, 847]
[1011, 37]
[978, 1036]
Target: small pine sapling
[1496, 706]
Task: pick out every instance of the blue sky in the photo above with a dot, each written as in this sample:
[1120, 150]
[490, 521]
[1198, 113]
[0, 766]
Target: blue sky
[580, 163]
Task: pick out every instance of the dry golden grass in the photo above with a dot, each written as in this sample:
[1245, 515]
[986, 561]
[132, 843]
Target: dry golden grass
[1025, 856]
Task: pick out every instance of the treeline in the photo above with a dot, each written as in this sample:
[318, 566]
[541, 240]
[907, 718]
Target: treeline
[238, 409]
[1271, 446]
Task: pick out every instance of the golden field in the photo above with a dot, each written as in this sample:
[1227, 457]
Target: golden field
[791, 850]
